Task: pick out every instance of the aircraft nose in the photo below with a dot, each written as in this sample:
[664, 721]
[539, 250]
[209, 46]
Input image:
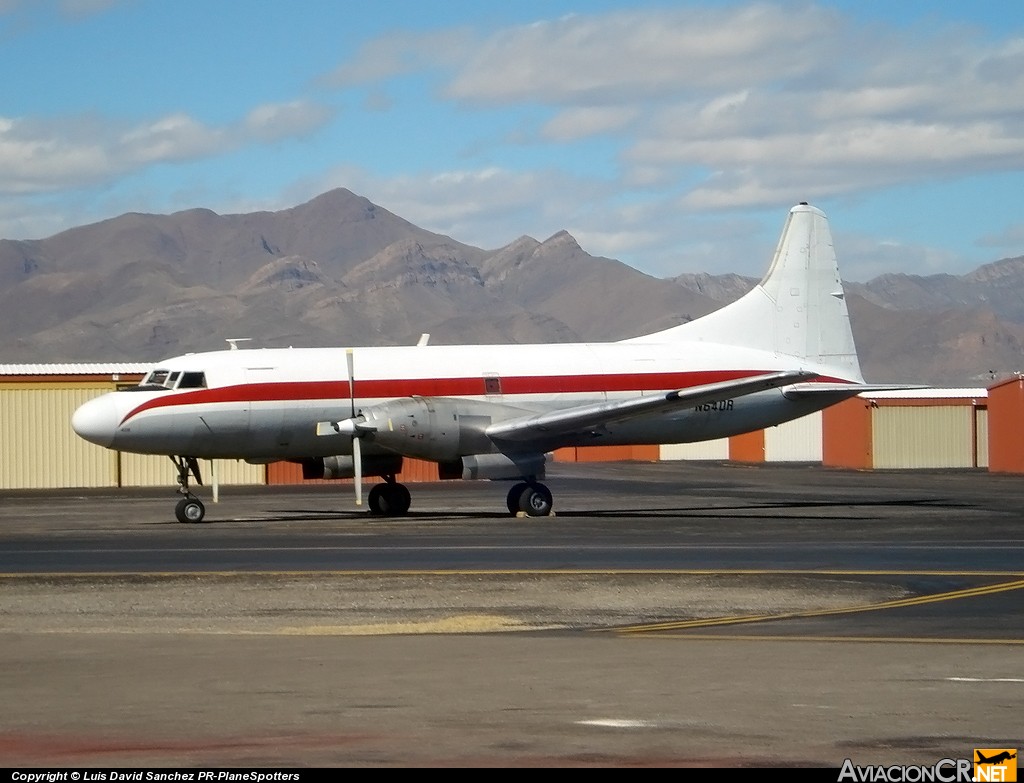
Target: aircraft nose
[96, 421]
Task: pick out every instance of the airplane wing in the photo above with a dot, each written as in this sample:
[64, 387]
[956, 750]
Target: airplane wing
[583, 417]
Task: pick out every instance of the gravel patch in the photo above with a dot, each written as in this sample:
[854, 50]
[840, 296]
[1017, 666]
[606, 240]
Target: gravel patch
[364, 604]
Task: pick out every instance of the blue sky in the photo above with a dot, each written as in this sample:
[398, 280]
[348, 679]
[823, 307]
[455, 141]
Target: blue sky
[673, 136]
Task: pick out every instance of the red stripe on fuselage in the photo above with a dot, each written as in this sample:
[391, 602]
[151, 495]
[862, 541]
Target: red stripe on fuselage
[391, 388]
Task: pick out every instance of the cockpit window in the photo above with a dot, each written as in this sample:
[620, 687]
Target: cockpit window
[192, 380]
[155, 378]
[177, 379]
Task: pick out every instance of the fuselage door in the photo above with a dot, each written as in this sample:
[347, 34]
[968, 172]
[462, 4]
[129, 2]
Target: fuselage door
[492, 384]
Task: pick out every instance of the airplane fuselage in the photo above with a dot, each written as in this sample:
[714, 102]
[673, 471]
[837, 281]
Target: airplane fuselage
[263, 405]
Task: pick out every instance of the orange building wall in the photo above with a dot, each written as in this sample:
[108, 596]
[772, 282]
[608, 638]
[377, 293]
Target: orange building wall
[846, 435]
[748, 447]
[608, 454]
[1006, 426]
[413, 470]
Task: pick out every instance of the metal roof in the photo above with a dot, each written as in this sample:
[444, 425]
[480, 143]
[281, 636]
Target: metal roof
[926, 394]
[79, 368]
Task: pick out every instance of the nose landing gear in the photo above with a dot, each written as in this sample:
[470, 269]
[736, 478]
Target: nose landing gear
[189, 509]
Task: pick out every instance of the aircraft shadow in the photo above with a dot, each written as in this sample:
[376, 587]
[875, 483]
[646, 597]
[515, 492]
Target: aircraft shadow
[769, 510]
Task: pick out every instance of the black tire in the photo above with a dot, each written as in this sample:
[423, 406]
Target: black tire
[373, 499]
[512, 501]
[536, 501]
[389, 500]
[399, 499]
[190, 511]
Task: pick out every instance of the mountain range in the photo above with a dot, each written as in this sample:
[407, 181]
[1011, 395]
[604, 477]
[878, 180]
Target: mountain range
[340, 270]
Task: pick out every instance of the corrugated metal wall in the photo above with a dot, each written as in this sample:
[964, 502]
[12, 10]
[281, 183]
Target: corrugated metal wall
[717, 449]
[1005, 444]
[608, 453]
[932, 436]
[146, 470]
[846, 435]
[40, 450]
[981, 425]
[413, 470]
[795, 441]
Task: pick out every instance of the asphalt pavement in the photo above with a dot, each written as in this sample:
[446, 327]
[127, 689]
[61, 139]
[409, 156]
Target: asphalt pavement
[717, 616]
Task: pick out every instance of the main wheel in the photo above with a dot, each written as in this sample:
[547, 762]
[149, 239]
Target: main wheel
[399, 499]
[389, 500]
[373, 499]
[536, 501]
[512, 501]
[190, 510]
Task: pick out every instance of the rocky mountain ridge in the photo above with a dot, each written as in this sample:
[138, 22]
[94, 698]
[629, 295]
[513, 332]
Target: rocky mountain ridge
[340, 270]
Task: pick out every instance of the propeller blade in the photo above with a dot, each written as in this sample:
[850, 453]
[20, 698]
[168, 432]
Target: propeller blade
[357, 451]
[350, 360]
[357, 460]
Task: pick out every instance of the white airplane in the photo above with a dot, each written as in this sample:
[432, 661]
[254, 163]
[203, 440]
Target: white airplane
[496, 412]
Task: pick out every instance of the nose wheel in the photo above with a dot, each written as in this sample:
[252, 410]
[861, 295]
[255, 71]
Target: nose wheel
[189, 509]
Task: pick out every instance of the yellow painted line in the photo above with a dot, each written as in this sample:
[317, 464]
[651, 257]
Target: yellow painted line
[953, 595]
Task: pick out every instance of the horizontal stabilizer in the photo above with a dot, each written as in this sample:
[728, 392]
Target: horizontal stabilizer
[849, 389]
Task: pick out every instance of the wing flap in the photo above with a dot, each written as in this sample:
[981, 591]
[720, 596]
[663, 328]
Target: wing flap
[584, 417]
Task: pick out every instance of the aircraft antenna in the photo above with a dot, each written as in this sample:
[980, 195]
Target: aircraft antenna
[234, 341]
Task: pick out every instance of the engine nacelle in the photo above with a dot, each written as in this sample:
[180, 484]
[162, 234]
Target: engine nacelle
[343, 466]
[494, 466]
[425, 427]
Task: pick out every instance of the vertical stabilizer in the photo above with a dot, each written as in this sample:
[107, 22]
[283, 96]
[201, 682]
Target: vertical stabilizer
[798, 309]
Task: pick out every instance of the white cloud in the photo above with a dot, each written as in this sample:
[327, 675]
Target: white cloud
[588, 121]
[796, 96]
[1009, 240]
[72, 152]
[400, 52]
[487, 207]
[174, 137]
[621, 57]
[272, 122]
[863, 258]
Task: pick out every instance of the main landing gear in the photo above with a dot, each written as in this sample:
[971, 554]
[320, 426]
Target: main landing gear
[189, 508]
[389, 499]
[530, 498]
